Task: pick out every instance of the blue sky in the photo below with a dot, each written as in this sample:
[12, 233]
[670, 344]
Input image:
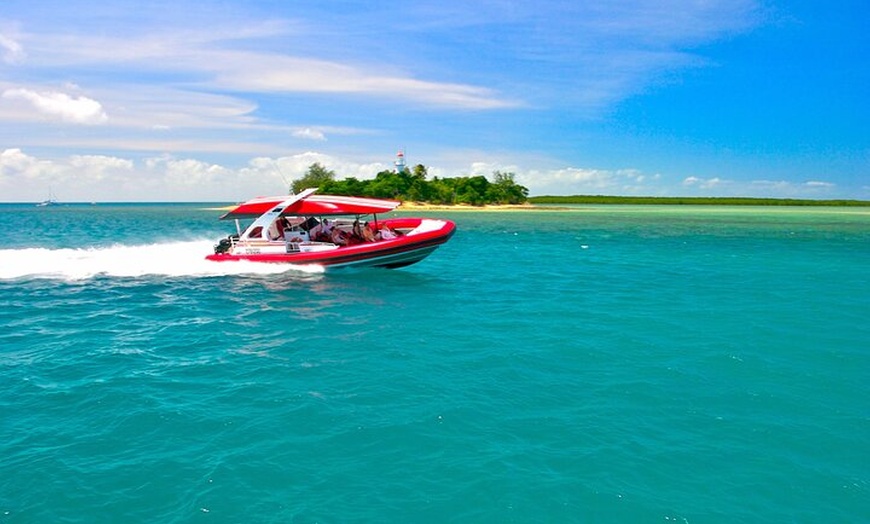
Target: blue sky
[223, 100]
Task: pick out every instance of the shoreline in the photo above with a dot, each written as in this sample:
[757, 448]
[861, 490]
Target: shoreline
[530, 206]
[418, 206]
[421, 206]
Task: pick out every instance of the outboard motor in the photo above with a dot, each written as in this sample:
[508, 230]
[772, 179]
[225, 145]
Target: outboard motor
[225, 244]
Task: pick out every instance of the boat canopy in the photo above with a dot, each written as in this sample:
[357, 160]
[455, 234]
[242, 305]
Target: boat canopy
[312, 205]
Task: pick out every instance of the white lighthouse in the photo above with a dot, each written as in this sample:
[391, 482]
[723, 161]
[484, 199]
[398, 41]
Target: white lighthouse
[400, 162]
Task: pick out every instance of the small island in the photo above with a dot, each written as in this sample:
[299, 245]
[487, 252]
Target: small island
[412, 186]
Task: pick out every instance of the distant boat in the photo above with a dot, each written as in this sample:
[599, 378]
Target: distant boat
[51, 201]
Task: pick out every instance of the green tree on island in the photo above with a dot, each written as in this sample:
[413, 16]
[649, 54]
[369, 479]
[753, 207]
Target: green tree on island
[505, 190]
[414, 186]
[316, 176]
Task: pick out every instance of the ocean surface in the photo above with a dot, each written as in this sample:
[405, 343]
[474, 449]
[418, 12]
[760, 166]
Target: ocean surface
[587, 364]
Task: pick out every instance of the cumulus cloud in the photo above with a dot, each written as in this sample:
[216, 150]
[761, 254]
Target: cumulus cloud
[556, 181]
[77, 110]
[590, 178]
[95, 168]
[14, 160]
[167, 178]
[186, 173]
[575, 180]
[100, 162]
[287, 168]
[17, 166]
[79, 170]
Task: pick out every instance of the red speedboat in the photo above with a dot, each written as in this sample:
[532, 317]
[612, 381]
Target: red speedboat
[329, 230]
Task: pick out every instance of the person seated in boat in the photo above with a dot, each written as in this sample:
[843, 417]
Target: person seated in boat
[338, 237]
[367, 234]
[386, 233]
[322, 232]
[356, 235]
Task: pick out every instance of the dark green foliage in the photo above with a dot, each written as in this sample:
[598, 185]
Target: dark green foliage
[414, 186]
[715, 201]
[505, 190]
[316, 176]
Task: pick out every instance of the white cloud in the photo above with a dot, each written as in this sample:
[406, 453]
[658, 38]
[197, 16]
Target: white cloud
[182, 174]
[287, 74]
[25, 174]
[164, 113]
[95, 168]
[555, 181]
[789, 189]
[704, 183]
[310, 134]
[288, 168]
[100, 162]
[20, 171]
[17, 167]
[607, 53]
[14, 160]
[574, 180]
[77, 110]
[486, 168]
[716, 186]
[166, 178]
[13, 52]
[208, 58]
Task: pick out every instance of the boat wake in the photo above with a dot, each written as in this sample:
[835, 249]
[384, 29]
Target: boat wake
[161, 259]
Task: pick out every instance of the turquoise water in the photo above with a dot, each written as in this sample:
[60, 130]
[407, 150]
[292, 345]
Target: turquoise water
[595, 364]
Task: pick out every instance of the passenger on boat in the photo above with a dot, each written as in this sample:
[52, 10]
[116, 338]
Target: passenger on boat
[367, 233]
[356, 235]
[322, 232]
[386, 233]
[338, 237]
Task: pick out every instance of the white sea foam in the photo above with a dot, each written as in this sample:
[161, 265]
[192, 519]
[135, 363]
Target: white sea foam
[168, 259]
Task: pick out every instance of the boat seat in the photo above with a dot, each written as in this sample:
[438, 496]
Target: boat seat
[296, 235]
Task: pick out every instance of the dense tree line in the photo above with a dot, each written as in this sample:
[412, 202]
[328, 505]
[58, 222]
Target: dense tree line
[720, 201]
[414, 186]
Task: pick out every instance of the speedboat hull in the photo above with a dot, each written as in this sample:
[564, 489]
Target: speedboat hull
[416, 239]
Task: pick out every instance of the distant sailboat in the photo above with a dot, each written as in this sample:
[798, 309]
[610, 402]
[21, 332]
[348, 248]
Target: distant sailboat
[51, 201]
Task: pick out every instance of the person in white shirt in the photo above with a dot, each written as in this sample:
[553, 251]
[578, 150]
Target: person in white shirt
[322, 231]
[338, 237]
[386, 233]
